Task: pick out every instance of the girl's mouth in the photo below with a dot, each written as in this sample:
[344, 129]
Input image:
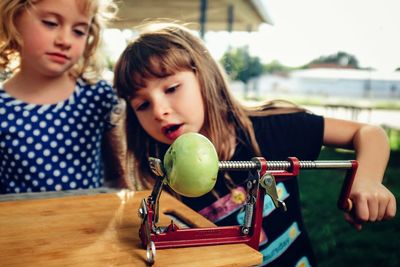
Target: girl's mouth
[58, 57]
[172, 131]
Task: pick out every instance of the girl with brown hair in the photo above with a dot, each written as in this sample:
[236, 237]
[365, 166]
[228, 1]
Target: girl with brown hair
[172, 85]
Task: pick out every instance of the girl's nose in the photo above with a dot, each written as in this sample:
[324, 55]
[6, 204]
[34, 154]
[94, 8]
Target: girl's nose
[161, 110]
[63, 39]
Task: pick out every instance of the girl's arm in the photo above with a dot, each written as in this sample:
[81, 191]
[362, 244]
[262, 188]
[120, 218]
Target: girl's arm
[372, 201]
[115, 150]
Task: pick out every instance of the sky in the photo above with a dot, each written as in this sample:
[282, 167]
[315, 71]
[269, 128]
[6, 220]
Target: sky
[306, 29]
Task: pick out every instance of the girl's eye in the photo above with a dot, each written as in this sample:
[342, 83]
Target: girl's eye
[142, 106]
[79, 32]
[171, 89]
[49, 23]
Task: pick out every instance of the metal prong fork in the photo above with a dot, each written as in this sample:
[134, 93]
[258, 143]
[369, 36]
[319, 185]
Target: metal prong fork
[156, 166]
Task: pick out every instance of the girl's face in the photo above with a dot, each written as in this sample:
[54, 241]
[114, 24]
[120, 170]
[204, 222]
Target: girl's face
[54, 34]
[168, 107]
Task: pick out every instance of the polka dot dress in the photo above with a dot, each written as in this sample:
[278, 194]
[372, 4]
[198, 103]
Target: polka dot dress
[54, 147]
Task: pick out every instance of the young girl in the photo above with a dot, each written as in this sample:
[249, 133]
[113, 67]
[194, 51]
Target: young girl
[53, 113]
[173, 86]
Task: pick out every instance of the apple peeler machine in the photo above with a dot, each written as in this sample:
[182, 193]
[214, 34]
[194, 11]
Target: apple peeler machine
[261, 180]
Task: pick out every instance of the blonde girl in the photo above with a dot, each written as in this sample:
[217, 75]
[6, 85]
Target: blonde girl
[54, 108]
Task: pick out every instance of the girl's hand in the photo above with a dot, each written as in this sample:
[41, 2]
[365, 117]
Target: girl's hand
[372, 201]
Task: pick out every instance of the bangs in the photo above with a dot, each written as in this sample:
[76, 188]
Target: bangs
[146, 62]
[158, 66]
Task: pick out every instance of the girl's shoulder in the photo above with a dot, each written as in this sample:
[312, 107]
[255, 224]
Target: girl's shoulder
[282, 115]
[100, 84]
[289, 121]
[101, 90]
[297, 134]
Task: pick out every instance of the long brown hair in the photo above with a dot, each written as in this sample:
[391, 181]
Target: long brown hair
[160, 50]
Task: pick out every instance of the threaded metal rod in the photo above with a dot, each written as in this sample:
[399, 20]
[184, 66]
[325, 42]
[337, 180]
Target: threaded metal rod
[284, 165]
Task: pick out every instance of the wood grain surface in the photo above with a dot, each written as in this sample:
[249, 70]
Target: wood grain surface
[100, 230]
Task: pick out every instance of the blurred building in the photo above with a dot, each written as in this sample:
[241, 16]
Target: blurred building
[329, 82]
[347, 83]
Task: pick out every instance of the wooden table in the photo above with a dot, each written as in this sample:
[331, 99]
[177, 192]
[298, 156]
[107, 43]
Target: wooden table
[100, 230]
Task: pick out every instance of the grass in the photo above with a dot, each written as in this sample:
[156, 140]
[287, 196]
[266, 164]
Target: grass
[335, 242]
[394, 138]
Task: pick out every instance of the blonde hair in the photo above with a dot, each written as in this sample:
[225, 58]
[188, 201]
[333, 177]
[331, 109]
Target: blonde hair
[89, 67]
[164, 49]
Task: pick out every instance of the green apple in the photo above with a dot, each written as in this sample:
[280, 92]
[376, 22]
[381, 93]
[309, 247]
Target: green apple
[191, 165]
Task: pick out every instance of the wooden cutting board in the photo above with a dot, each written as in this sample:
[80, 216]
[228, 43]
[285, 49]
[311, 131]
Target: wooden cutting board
[100, 230]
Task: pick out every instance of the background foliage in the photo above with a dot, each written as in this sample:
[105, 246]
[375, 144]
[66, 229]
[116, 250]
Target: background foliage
[240, 65]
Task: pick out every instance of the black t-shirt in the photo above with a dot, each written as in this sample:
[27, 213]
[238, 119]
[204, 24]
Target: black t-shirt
[284, 241]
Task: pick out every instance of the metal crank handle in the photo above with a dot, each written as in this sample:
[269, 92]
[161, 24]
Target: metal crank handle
[344, 202]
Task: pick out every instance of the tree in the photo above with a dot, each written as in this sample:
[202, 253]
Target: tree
[240, 65]
[276, 67]
[341, 59]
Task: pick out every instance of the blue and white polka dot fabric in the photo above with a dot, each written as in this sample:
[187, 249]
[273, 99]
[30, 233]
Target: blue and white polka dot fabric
[54, 147]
